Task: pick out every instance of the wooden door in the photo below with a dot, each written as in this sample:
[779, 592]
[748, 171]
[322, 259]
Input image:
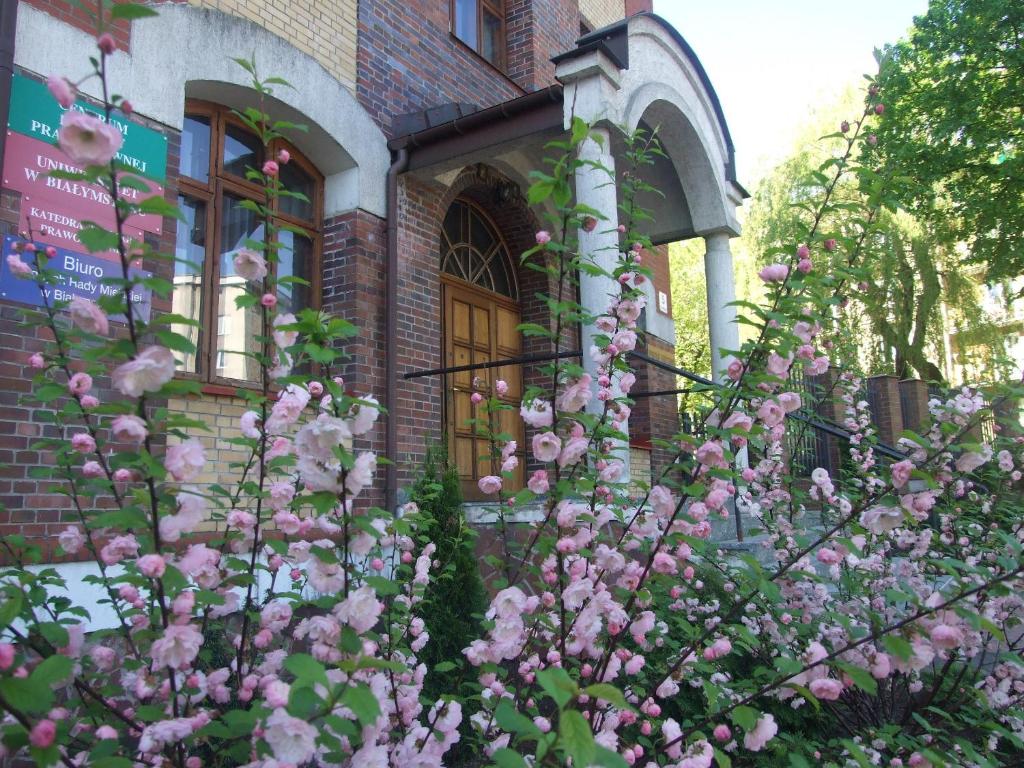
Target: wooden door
[479, 327]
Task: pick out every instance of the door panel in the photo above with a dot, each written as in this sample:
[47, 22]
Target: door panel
[479, 327]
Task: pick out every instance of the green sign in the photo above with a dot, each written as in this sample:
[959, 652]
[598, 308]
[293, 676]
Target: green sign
[35, 113]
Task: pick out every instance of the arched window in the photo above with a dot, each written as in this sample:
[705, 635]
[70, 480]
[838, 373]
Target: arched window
[216, 149]
[472, 250]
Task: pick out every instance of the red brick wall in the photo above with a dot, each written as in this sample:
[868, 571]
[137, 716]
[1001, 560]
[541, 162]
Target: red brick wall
[639, 6]
[71, 14]
[657, 260]
[654, 418]
[535, 31]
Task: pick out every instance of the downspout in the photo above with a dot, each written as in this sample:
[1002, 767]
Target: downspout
[8, 27]
[398, 166]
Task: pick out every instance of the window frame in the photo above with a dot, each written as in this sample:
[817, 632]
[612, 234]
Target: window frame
[497, 9]
[221, 182]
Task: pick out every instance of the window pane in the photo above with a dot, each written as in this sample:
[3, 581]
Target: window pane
[295, 179]
[295, 258]
[187, 299]
[237, 329]
[241, 150]
[465, 21]
[195, 148]
[491, 45]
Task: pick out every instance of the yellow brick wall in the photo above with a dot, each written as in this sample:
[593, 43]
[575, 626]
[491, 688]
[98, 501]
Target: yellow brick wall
[325, 29]
[221, 415]
[601, 13]
[639, 469]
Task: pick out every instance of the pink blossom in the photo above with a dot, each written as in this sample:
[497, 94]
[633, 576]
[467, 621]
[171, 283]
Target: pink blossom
[93, 469]
[83, 442]
[830, 244]
[626, 382]
[177, 647]
[184, 461]
[735, 370]
[790, 401]
[501, 387]
[537, 413]
[901, 472]
[249, 265]
[972, 460]
[87, 140]
[826, 688]
[573, 451]
[538, 482]
[363, 415]
[476, 398]
[129, 428]
[152, 566]
[489, 484]
[361, 474]
[105, 43]
[119, 548]
[268, 300]
[576, 395]
[88, 401]
[88, 316]
[722, 733]
[763, 732]
[543, 237]
[946, 636]
[62, 90]
[360, 610]
[879, 519]
[770, 413]
[276, 616]
[283, 338]
[546, 446]
[628, 310]
[106, 732]
[710, 454]
[149, 371]
[663, 563]
[270, 168]
[774, 273]
[283, 156]
[828, 556]
[36, 360]
[79, 383]
[291, 739]
[778, 365]
[18, 267]
[43, 734]
[71, 539]
[7, 652]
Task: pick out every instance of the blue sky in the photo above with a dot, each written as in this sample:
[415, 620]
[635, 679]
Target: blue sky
[771, 61]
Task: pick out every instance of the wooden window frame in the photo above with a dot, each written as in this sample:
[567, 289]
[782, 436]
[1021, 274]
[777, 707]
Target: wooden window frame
[220, 182]
[497, 9]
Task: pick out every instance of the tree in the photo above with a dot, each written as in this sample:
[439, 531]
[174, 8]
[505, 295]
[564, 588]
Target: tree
[953, 128]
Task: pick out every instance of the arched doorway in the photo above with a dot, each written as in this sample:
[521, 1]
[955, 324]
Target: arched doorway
[480, 301]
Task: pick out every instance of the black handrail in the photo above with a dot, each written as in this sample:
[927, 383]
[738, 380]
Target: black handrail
[520, 360]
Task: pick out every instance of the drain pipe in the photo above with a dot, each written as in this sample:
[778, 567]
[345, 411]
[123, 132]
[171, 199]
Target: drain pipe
[398, 166]
[8, 27]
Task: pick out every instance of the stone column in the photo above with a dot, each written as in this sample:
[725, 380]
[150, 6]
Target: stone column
[886, 413]
[914, 404]
[596, 189]
[721, 290]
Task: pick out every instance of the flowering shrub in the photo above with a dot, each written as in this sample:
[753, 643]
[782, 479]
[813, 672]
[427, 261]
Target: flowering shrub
[621, 633]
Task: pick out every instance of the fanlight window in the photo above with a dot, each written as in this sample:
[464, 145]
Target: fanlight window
[472, 250]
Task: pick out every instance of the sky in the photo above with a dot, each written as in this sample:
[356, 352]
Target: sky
[771, 61]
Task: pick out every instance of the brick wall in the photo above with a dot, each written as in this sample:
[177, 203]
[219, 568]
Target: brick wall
[71, 13]
[657, 260]
[601, 13]
[654, 418]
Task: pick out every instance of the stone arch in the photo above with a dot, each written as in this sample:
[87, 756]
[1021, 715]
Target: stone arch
[343, 141]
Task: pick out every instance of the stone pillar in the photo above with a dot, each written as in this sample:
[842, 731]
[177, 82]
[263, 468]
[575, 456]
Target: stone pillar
[721, 290]
[884, 397]
[596, 189]
[914, 404]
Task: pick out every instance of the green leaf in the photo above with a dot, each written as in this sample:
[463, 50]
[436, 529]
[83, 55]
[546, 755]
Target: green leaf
[609, 693]
[861, 677]
[507, 758]
[362, 702]
[898, 647]
[576, 738]
[52, 670]
[11, 606]
[745, 717]
[508, 719]
[131, 11]
[557, 684]
[306, 668]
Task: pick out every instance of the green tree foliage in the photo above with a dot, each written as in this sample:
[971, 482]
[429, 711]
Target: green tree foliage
[953, 126]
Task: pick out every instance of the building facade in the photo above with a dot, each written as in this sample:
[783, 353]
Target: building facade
[424, 120]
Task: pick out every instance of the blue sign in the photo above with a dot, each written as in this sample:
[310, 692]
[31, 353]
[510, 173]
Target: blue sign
[80, 275]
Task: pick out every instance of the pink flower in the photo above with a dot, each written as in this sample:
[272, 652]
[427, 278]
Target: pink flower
[770, 413]
[501, 387]
[830, 244]
[105, 43]
[184, 461]
[476, 398]
[88, 401]
[106, 732]
[291, 740]
[270, 168]
[123, 475]
[778, 365]
[283, 156]
[249, 265]
[43, 733]
[826, 688]
[178, 647]
[83, 442]
[126, 107]
[276, 616]
[71, 539]
[489, 484]
[88, 316]
[37, 361]
[576, 395]
[361, 474]
[153, 368]
[538, 482]
[129, 428]
[879, 109]
[87, 140]
[880, 519]
[735, 370]
[18, 267]
[828, 556]
[626, 382]
[152, 566]
[946, 636]
[268, 300]
[92, 469]
[546, 446]
[628, 310]
[710, 454]
[573, 451]
[722, 733]
[536, 413]
[763, 732]
[363, 415]
[543, 237]
[62, 90]
[790, 401]
[774, 273]
[6, 655]
[901, 472]
[971, 460]
[360, 610]
[79, 383]
[118, 548]
[663, 562]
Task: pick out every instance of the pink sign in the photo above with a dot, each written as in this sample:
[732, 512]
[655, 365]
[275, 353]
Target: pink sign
[27, 162]
[48, 223]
